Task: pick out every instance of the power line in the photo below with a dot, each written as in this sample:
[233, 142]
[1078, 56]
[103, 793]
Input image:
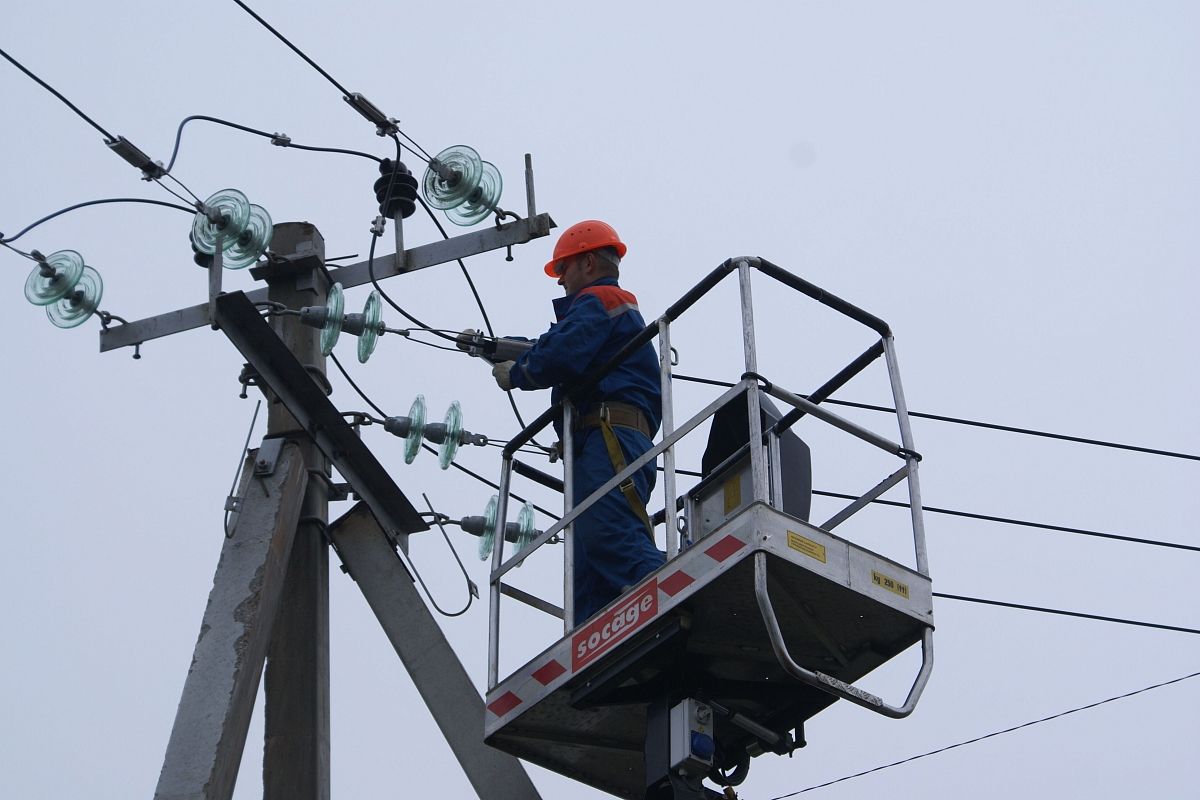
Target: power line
[989, 736]
[60, 212]
[358, 102]
[279, 140]
[977, 423]
[1058, 611]
[1026, 431]
[1021, 522]
[454, 464]
[295, 49]
[108, 136]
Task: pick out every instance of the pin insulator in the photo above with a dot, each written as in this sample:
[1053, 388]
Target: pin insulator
[403, 195]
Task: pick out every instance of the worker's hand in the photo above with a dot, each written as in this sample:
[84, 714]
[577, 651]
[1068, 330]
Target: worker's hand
[502, 372]
[467, 339]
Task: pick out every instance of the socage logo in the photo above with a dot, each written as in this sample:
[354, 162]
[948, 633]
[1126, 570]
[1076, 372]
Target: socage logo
[600, 636]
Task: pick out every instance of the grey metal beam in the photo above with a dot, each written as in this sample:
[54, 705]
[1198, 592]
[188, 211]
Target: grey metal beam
[290, 381]
[428, 255]
[205, 748]
[436, 671]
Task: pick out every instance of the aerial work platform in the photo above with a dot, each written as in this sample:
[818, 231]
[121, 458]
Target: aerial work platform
[757, 621]
[695, 629]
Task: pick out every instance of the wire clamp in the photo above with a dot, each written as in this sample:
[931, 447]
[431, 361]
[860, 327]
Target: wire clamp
[281, 139]
[377, 225]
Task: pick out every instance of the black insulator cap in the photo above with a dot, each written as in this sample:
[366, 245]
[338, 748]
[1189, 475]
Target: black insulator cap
[403, 197]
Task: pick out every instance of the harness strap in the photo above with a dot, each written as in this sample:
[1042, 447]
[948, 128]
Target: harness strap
[617, 456]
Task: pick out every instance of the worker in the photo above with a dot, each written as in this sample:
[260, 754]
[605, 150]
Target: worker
[614, 420]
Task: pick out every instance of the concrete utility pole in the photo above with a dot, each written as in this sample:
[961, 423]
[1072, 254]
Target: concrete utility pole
[270, 598]
[296, 752]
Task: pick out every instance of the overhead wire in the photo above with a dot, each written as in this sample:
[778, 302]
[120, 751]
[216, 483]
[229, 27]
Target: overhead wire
[988, 736]
[346, 93]
[410, 565]
[427, 157]
[1020, 522]
[293, 47]
[108, 136]
[87, 203]
[454, 464]
[1061, 612]
[276, 138]
[977, 423]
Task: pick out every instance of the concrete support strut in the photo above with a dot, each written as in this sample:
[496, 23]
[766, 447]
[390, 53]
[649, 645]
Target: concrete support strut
[205, 747]
[436, 671]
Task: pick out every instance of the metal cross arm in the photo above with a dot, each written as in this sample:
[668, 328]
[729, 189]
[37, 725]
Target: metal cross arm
[469, 244]
[288, 379]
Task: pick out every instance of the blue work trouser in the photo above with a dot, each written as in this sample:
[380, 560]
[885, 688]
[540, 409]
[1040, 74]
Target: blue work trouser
[612, 549]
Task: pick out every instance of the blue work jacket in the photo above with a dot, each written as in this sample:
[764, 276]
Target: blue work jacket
[592, 326]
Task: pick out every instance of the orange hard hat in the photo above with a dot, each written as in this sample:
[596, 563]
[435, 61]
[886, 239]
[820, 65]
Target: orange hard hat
[591, 234]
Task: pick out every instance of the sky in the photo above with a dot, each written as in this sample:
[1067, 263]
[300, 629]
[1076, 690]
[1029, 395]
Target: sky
[1013, 186]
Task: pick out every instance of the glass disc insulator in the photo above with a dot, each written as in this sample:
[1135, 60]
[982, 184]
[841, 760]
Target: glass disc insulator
[488, 537]
[416, 429]
[482, 203]
[80, 303]
[372, 316]
[525, 530]
[444, 192]
[335, 305]
[253, 241]
[449, 446]
[234, 208]
[42, 290]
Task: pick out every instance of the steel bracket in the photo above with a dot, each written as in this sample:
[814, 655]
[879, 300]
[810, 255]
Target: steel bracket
[268, 455]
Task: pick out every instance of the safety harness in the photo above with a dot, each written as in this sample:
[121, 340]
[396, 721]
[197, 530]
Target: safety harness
[624, 415]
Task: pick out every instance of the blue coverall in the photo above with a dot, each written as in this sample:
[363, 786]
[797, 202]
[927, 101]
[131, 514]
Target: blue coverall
[612, 548]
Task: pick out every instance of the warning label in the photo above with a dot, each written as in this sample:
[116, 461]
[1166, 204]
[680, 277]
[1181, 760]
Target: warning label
[806, 546]
[732, 491]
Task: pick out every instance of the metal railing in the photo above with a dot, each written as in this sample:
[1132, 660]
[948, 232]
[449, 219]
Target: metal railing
[765, 486]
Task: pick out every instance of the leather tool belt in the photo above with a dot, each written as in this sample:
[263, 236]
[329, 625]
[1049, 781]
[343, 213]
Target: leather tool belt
[622, 415]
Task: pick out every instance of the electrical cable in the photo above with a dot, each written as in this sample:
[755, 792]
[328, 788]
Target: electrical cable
[975, 423]
[1026, 431]
[1060, 612]
[295, 49]
[406, 560]
[108, 136]
[17, 250]
[472, 588]
[989, 735]
[483, 312]
[277, 139]
[456, 465]
[474, 292]
[1024, 523]
[176, 194]
[62, 211]
[181, 185]
[346, 94]
[355, 386]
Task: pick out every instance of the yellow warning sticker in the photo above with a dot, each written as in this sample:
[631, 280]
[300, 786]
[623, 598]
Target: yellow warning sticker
[732, 489]
[807, 546]
[891, 584]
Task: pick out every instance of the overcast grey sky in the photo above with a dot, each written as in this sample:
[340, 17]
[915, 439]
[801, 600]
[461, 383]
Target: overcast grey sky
[1014, 186]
